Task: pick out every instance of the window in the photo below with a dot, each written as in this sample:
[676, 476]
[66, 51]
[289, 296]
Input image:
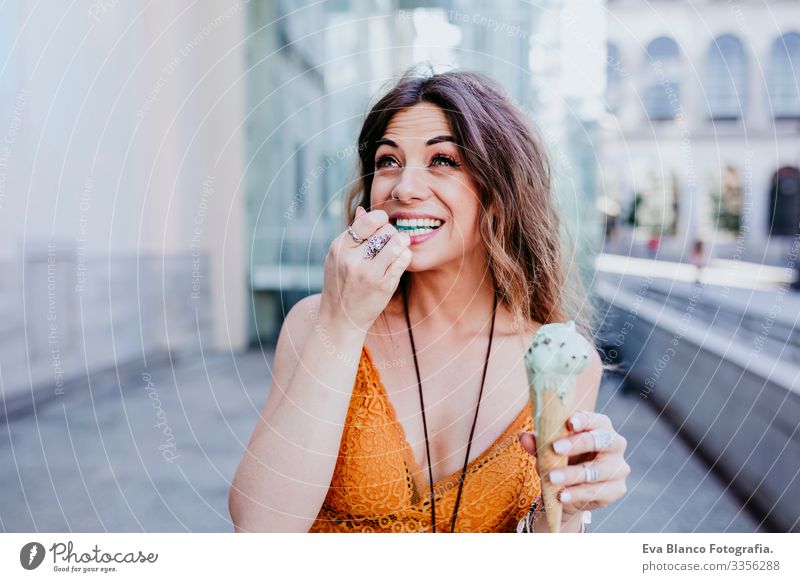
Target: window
[784, 63]
[662, 88]
[725, 200]
[726, 78]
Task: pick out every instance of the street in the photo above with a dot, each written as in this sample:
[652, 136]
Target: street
[156, 450]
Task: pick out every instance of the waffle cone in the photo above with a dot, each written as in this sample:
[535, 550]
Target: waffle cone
[550, 426]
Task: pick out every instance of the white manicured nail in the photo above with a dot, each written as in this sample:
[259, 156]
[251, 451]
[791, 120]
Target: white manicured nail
[561, 446]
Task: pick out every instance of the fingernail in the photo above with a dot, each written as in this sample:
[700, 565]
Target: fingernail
[561, 446]
[556, 476]
[576, 422]
[564, 495]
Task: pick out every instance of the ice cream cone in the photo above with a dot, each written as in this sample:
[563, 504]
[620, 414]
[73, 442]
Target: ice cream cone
[552, 414]
[553, 361]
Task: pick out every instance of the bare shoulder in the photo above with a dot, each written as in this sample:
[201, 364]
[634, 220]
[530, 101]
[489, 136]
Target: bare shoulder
[297, 326]
[301, 318]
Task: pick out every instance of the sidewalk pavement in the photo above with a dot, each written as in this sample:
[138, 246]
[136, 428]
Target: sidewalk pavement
[156, 452]
[670, 489]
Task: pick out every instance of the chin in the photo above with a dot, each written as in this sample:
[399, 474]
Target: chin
[417, 265]
[422, 263]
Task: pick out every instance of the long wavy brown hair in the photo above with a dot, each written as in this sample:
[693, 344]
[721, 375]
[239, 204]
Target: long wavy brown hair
[519, 223]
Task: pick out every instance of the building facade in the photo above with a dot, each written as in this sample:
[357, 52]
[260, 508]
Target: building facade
[121, 215]
[702, 135]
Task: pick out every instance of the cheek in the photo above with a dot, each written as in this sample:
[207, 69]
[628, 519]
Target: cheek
[466, 219]
[378, 194]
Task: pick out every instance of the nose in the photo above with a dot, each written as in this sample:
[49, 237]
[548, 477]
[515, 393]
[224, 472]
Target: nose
[411, 185]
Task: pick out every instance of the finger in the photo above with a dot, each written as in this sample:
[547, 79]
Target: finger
[379, 262]
[528, 442]
[369, 223]
[391, 251]
[360, 211]
[585, 442]
[606, 468]
[583, 420]
[397, 267]
[588, 496]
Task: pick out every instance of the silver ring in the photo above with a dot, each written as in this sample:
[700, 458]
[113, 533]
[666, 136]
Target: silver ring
[602, 438]
[356, 239]
[374, 245]
[590, 474]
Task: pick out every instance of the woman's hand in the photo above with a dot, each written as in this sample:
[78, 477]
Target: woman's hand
[356, 289]
[595, 452]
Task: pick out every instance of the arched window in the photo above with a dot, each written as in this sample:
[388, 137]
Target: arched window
[726, 78]
[784, 70]
[662, 88]
[785, 198]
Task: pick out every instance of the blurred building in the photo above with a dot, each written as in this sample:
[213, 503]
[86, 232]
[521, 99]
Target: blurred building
[701, 137]
[121, 216]
[171, 176]
[315, 69]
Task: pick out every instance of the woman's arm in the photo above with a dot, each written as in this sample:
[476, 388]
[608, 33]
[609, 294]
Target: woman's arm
[284, 476]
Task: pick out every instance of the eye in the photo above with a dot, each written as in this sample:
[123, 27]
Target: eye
[444, 160]
[382, 161]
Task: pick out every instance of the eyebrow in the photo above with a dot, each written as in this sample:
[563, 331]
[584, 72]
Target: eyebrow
[432, 141]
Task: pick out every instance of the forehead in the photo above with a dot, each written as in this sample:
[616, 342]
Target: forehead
[421, 121]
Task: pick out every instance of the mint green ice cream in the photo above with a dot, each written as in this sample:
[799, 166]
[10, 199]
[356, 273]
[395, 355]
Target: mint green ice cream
[553, 361]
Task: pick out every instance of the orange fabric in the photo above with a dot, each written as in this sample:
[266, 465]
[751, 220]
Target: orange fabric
[374, 485]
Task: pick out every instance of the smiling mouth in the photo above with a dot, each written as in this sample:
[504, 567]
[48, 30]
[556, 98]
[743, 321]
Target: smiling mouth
[417, 226]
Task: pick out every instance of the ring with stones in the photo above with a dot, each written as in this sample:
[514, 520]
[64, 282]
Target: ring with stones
[374, 245]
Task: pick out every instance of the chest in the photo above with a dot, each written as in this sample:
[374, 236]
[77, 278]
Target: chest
[451, 379]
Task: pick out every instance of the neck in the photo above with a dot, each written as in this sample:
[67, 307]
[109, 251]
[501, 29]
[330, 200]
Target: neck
[452, 299]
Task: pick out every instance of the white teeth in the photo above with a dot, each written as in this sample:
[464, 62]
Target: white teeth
[418, 222]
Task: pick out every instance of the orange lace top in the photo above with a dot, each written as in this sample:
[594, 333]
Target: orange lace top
[374, 486]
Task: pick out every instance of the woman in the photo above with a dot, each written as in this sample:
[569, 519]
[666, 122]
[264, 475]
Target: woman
[407, 370]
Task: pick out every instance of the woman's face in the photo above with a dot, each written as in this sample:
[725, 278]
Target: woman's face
[421, 183]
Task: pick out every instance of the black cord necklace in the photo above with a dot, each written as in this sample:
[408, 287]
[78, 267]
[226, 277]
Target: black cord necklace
[425, 424]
